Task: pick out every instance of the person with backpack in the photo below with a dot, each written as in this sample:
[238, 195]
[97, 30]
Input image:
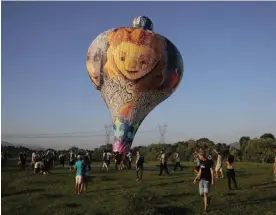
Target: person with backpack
[139, 166]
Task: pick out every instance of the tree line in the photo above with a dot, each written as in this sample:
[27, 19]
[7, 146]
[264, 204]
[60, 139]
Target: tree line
[262, 149]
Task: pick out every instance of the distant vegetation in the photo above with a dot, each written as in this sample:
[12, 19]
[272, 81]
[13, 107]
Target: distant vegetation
[261, 149]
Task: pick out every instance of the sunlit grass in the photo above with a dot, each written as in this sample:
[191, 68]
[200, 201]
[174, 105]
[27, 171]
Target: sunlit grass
[118, 192]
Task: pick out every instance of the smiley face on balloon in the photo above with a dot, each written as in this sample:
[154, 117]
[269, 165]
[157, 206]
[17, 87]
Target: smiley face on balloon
[138, 56]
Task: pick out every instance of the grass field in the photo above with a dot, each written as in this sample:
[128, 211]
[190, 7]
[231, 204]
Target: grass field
[118, 193]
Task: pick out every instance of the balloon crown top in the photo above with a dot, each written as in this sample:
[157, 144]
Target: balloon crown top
[142, 22]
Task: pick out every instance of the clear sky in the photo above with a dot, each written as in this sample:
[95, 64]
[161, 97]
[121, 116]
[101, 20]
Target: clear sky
[228, 89]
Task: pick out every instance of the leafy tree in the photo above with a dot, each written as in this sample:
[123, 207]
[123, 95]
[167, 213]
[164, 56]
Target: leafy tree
[267, 136]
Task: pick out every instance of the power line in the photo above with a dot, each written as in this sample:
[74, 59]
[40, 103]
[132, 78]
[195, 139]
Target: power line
[50, 134]
[108, 131]
[68, 135]
[162, 131]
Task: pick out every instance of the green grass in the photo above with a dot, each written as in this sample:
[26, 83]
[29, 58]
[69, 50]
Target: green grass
[118, 193]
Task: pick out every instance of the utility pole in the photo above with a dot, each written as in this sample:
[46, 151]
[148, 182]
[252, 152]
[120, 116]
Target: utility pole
[162, 131]
[108, 131]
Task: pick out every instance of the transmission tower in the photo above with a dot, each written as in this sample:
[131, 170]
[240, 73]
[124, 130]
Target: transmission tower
[162, 131]
[108, 131]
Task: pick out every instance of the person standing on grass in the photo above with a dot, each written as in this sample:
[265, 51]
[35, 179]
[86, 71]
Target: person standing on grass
[177, 162]
[105, 160]
[219, 164]
[61, 159]
[46, 162]
[275, 169]
[116, 159]
[87, 169]
[129, 159]
[79, 167]
[22, 160]
[71, 160]
[163, 163]
[33, 160]
[109, 157]
[197, 162]
[231, 175]
[139, 166]
[206, 177]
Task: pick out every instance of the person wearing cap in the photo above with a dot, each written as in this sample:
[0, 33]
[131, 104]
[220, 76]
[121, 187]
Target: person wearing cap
[206, 177]
[79, 167]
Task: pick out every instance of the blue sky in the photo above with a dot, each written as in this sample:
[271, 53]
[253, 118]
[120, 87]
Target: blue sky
[228, 88]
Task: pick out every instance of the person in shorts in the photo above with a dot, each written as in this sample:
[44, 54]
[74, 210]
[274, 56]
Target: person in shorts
[79, 167]
[206, 177]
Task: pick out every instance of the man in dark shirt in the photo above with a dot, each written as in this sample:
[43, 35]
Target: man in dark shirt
[205, 177]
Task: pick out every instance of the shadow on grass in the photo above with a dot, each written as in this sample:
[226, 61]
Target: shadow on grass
[255, 201]
[175, 197]
[101, 178]
[248, 175]
[22, 192]
[268, 187]
[168, 183]
[71, 205]
[174, 211]
[231, 194]
[264, 184]
[109, 189]
[52, 196]
[52, 182]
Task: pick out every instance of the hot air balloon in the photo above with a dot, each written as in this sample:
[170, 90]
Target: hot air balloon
[134, 69]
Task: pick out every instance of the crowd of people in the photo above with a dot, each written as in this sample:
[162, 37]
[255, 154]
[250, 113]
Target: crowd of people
[206, 169]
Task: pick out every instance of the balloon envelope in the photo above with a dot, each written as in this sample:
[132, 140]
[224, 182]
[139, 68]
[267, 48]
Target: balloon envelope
[134, 69]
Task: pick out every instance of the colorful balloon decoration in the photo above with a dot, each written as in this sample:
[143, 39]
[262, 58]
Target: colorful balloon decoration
[134, 69]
